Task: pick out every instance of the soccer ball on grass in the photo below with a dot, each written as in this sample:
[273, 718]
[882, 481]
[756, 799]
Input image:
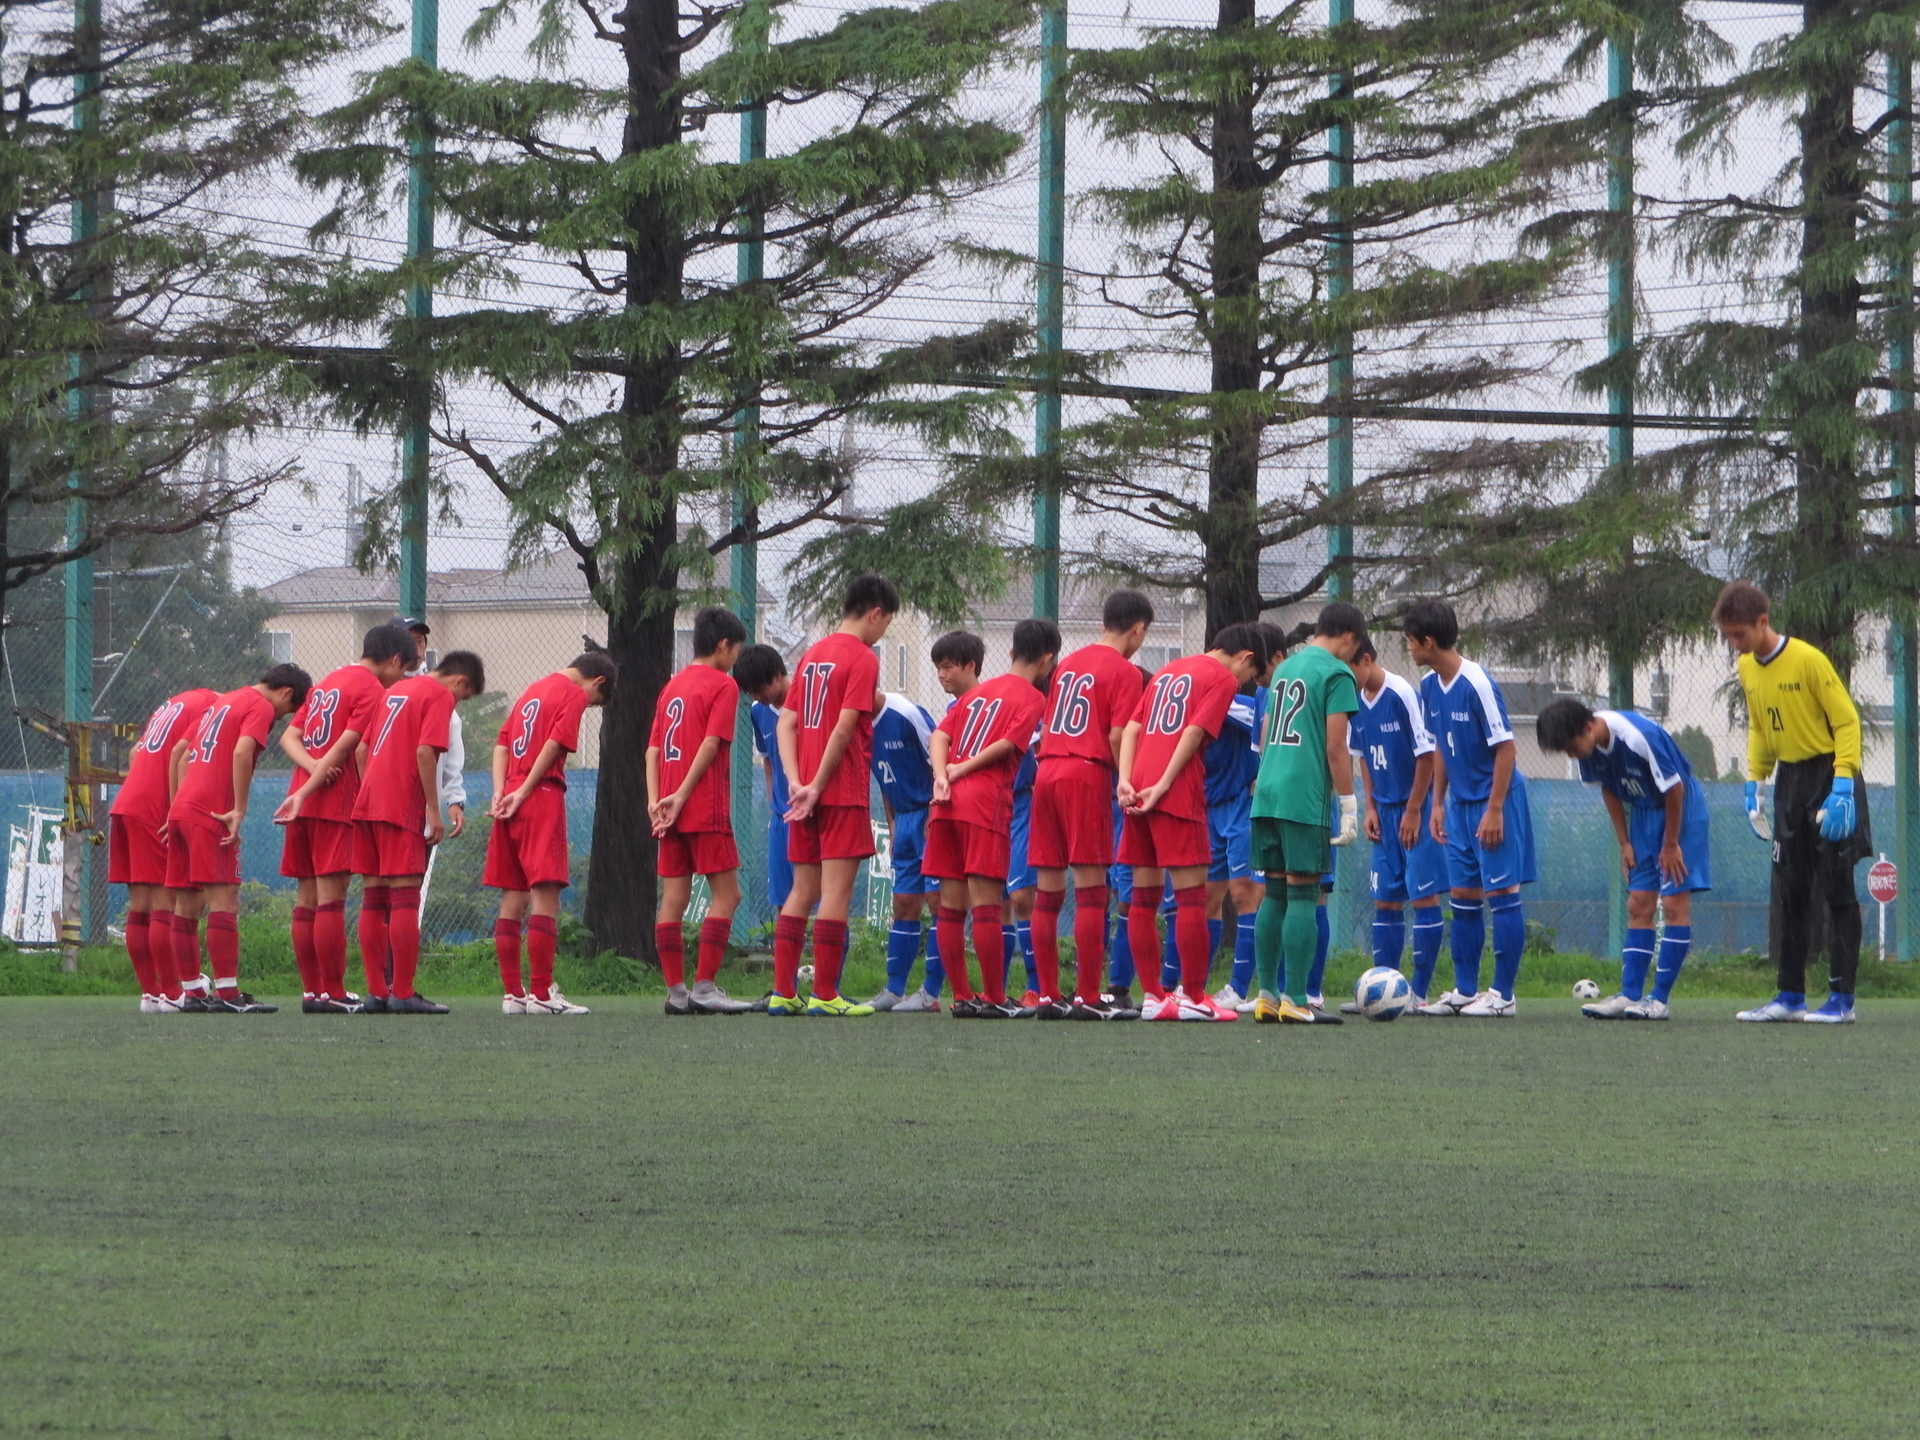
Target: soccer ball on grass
[1383, 994]
[806, 975]
[1585, 990]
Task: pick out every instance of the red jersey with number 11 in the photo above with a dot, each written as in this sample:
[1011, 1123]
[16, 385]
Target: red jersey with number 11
[698, 703]
[1003, 708]
[838, 673]
[1093, 693]
[548, 709]
[144, 796]
[413, 713]
[1193, 691]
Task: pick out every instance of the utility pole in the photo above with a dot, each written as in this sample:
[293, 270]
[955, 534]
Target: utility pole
[1906, 645]
[414, 441]
[1339, 286]
[1052, 305]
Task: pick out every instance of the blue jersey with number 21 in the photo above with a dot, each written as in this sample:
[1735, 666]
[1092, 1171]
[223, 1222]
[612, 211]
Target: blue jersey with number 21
[902, 764]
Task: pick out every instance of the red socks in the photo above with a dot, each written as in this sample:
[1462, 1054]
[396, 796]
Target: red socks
[714, 934]
[789, 934]
[223, 948]
[1046, 940]
[1089, 940]
[1144, 936]
[1190, 939]
[952, 934]
[330, 947]
[140, 955]
[543, 935]
[829, 954]
[506, 949]
[403, 936]
[671, 944]
[990, 944]
[303, 960]
[186, 950]
[373, 939]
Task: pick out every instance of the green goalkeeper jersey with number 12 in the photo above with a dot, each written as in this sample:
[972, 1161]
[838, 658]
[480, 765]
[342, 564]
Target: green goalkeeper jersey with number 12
[1294, 782]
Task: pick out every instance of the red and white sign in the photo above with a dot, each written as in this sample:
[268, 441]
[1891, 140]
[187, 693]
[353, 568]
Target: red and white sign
[1883, 881]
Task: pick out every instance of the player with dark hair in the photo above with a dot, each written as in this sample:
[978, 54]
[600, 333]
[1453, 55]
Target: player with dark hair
[761, 674]
[1031, 637]
[203, 834]
[1803, 734]
[323, 742]
[1659, 815]
[527, 849]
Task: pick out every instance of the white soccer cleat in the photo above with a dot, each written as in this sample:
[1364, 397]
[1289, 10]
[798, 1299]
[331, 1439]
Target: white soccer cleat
[1166, 1007]
[513, 1004]
[158, 1005]
[554, 1004]
[1451, 1003]
[1773, 1012]
[1205, 1008]
[1316, 1003]
[920, 1002]
[1614, 1007]
[1492, 1005]
[1647, 1009]
[1231, 998]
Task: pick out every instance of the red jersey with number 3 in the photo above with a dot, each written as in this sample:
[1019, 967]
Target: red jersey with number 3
[698, 703]
[207, 787]
[348, 699]
[548, 709]
[1194, 691]
[1003, 708]
[838, 673]
[413, 713]
[143, 795]
[1093, 692]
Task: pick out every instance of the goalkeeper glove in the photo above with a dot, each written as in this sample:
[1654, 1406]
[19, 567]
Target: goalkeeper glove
[1757, 810]
[1838, 817]
[1349, 830]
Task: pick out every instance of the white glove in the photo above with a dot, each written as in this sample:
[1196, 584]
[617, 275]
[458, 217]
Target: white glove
[1349, 820]
[1757, 810]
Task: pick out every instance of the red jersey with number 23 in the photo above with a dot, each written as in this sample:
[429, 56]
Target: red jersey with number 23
[548, 709]
[413, 713]
[348, 699]
[1195, 690]
[1093, 692]
[207, 787]
[698, 703]
[838, 673]
[1003, 708]
[144, 794]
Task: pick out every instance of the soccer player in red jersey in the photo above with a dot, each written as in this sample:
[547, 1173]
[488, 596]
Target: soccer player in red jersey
[397, 817]
[826, 747]
[323, 742]
[689, 801]
[1092, 693]
[1163, 799]
[527, 849]
[975, 751]
[203, 834]
[137, 848]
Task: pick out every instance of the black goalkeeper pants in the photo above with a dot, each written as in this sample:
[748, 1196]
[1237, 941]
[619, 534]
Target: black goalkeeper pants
[1813, 886]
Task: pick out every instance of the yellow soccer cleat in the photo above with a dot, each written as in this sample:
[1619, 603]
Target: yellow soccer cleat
[1292, 1014]
[1266, 1011]
[839, 1007]
[786, 1005]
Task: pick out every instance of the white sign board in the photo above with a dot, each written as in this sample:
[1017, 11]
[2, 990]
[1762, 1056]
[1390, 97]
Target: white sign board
[34, 883]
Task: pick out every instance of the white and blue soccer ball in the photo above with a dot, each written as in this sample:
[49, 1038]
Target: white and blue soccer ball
[1585, 990]
[1383, 994]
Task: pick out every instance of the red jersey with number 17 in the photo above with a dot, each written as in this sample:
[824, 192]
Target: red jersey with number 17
[1093, 692]
[348, 699]
[838, 673]
[1195, 690]
[413, 713]
[1003, 708]
[698, 703]
[548, 709]
[207, 787]
[144, 795]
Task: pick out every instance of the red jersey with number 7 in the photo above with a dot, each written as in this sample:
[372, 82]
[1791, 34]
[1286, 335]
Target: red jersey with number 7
[1093, 692]
[1003, 708]
[1196, 690]
[144, 795]
[697, 704]
[413, 713]
[838, 673]
[207, 787]
[548, 709]
[348, 699]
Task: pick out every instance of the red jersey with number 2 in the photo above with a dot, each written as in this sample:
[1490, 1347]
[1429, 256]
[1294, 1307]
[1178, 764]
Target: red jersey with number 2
[1093, 692]
[1193, 691]
[207, 787]
[838, 673]
[548, 709]
[348, 699]
[144, 794]
[698, 703]
[1003, 708]
[413, 713]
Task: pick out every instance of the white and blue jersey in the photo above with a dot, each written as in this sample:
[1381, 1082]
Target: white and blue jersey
[1469, 722]
[1231, 761]
[1020, 874]
[1389, 733]
[903, 769]
[765, 720]
[1640, 766]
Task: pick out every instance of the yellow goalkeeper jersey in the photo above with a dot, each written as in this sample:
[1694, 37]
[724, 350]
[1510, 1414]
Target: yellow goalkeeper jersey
[1797, 708]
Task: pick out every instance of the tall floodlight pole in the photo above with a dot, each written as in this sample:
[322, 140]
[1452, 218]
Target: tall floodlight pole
[1052, 305]
[1620, 390]
[1906, 645]
[414, 441]
[750, 263]
[1339, 286]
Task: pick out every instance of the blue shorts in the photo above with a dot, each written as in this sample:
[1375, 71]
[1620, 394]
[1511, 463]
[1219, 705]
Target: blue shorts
[1230, 833]
[1400, 874]
[1471, 865]
[1020, 874]
[779, 867]
[909, 846]
[1648, 828]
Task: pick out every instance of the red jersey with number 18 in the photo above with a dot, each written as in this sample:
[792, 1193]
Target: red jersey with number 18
[144, 795]
[838, 673]
[548, 709]
[413, 713]
[348, 699]
[207, 787]
[1195, 690]
[1003, 708]
[698, 703]
[1093, 692]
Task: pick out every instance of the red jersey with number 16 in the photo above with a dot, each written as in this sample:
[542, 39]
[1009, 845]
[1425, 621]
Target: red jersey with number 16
[838, 673]
[207, 787]
[548, 709]
[348, 699]
[1093, 692]
[698, 703]
[1003, 708]
[413, 713]
[144, 795]
[1195, 690]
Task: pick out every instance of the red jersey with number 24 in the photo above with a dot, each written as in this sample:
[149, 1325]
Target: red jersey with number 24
[1003, 708]
[1093, 692]
[698, 703]
[348, 699]
[548, 709]
[413, 713]
[207, 787]
[144, 795]
[1195, 690]
[838, 673]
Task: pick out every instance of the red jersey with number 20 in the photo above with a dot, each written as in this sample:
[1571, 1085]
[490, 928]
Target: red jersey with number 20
[348, 699]
[1003, 708]
[207, 787]
[413, 713]
[1093, 692]
[144, 796]
[698, 703]
[548, 709]
[838, 673]
[1193, 691]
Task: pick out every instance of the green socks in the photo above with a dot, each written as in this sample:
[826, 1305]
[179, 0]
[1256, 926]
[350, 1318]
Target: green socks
[1268, 922]
[1299, 935]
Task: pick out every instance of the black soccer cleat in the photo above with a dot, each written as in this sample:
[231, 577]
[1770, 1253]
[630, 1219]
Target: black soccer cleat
[196, 1002]
[1053, 1010]
[965, 1009]
[997, 1010]
[1103, 1010]
[683, 1008]
[239, 1003]
[327, 1005]
[415, 1005]
[374, 1005]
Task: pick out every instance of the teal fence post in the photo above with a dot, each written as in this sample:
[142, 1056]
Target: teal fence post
[1051, 306]
[414, 440]
[1339, 286]
[1620, 392]
[1906, 645]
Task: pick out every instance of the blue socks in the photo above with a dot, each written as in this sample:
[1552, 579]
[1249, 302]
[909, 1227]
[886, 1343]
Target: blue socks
[903, 948]
[1469, 939]
[1673, 954]
[1243, 954]
[1429, 929]
[1023, 934]
[1509, 941]
[1322, 942]
[936, 970]
[1169, 949]
[1636, 958]
[1389, 937]
[1119, 954]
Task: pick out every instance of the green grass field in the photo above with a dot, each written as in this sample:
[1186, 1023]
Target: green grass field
[635, 1226]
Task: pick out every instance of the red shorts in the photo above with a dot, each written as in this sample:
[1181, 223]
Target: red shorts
[136, 855]
[531, 848]
[956, 850]
[1072, 815]
[196, 856]
[831, 832]
[709, 852]
[317, 847]
[1164, 840]
[384, 852]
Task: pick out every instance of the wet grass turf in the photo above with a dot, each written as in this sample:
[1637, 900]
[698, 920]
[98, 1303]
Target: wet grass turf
[631, 1226]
